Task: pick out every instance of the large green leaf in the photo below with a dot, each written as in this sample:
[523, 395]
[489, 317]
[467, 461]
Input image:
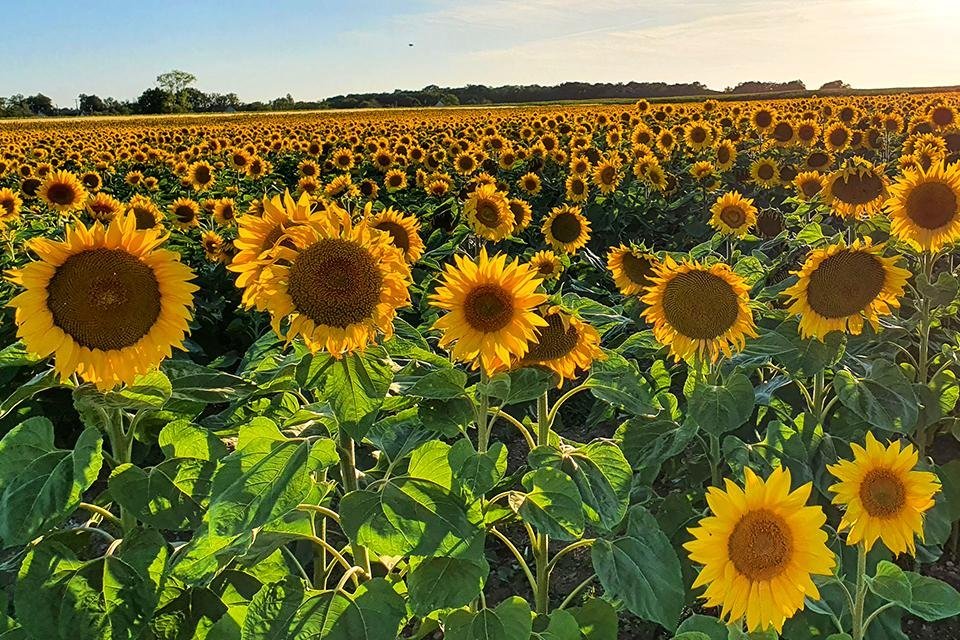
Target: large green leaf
[49, 488]
[510, 620]
[22, 445]
[441, 384]
[642, 570]
[618, 381]
[785, 347]
[355, 387]
[597, 619]
[59, 596]
[445, 583]
[884, 398]
[181, 439]
[477, 473]
[409, 516]
[171, 495]
[552, 504]
[603, 477]
[719, 409]
[196, 383]
[923, 596]
[258, 483]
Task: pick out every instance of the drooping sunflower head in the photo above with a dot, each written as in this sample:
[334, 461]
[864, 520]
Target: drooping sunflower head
[565, 345]
[632, 269]
[214, 246]
[63, 192]
[698, 310]
[759, 549]
[145, 212]
[732, 214]
[107, 302]
[488, 213]
[884, 495]
[925, 206]
[403, 230]
[225, 211]
[857, 189]
[491, 307]
[839, 287]
[770, 223]
[546, 264]
[566, 229]
[336, 284]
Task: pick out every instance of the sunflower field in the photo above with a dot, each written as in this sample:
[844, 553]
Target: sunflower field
[650, 371]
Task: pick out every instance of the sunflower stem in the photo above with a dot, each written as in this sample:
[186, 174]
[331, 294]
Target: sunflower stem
[483, 423]
[541, 549]
[121, 446]
[861, 596]
[923, 357]
[348, 475]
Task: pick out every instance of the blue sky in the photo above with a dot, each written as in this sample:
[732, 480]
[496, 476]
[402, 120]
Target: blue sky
[313, 49]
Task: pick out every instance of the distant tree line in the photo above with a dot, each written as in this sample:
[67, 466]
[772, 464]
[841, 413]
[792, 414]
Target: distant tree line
[173, 93]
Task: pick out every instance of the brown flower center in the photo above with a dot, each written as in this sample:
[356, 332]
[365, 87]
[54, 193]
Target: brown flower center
[931, 205]
[104, 299]
[733, 216]
[700, 305]
[760, 546]
[845, 284]
[882, 493]
[488, 308]
[566, 227]
[335, 282]
[554, 341]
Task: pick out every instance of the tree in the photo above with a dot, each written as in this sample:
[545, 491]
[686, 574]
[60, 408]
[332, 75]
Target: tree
[173, 82]
[835, 85]
[91, 104]
[40, 105]
[154, 100]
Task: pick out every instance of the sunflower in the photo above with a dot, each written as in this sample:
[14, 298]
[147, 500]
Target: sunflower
[91, 181]
[606, 175]
[200, 175]
[546, 264]
[698, 136]
[759, 550]
[492, 310]
[576, 188]
[925, 206]
[565, 345]
[343, 159]
[770, 223]
[214, 247]
[632, 269]
[145, 212]
[103, 207]
[395, 180]
[488, 213]
[698, 310]
[765, 172]
[858, 189]
[566, 229]
[763, 118]
[733, 214]
[884, 495]
[10, 205]
[808, 184]
[726, 155]
[818, 160]
[840, 286]
[530, 183]
[63, 192]
[837, 137]
[336, 284]
[404, 232]
[185, 213]
[258, 234]
[106, 301]
[225, 212]
[522, 214]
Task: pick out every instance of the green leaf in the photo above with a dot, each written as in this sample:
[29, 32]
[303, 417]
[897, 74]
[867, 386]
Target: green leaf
[149, 391]
[597, 619]
[939, 293]
[477, 473]
[884, 398]
[603, 477]
[710, 627]
[784, 346]
[24, 443]
[642, 570]
[691, 635]
[525, 385]
[258, 483]
[719, 409]
[510, 620]
[271, 609]
[552, 504]
[40, 382]
[61, 597]
[923, 596]
[181, 439]
[409, 516]
[355, 386]
[447, 417]
[445, 583]
[429, 462]
[195, 383]
[170, 495]
[48, 489]
[442, 384]
[618, 381]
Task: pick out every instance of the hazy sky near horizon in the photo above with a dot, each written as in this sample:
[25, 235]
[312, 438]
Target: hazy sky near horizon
[319, 48]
